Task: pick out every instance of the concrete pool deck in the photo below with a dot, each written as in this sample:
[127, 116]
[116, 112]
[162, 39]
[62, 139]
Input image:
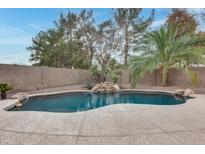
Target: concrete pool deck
[114, 124]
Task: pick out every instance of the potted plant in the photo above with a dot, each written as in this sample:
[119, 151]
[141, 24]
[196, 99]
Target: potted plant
[4, 87]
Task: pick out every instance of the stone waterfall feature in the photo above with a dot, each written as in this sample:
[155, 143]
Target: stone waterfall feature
[106, 87]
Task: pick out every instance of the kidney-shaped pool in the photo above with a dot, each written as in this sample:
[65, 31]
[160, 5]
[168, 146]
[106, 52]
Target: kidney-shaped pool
[83, 101]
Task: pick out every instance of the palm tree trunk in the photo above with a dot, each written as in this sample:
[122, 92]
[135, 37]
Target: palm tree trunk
[164, 76]
[126, 48]
[126, 56]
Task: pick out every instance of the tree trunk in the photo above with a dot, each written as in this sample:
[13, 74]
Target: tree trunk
[125, 58]
[103, 73]
[91, 55]
[164, 76]
[126, 48]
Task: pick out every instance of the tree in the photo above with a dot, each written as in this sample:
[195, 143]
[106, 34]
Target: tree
[88, 32]
[60, 46]
[77, 55]
[42, 47]
[131, 27]
[68, 24]
[76, 40]
[165, 49]
[105, 47]
[185, 21]
[114, 69]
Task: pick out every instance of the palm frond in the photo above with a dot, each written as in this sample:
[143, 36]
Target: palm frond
[139, 66]
[169, 49]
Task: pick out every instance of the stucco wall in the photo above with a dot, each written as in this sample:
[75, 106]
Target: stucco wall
[21, 77]
[61, 76]
[176, 77]
[29, 77]
[179, 77]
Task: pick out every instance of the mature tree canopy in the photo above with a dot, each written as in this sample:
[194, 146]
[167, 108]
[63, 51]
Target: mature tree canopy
[88, 32]
[78, 33]
[78, 41]
[182, 19]
[131, 27]
[60, 46]
[106, 45]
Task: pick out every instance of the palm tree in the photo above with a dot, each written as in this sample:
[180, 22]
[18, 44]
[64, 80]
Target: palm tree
[165, 49]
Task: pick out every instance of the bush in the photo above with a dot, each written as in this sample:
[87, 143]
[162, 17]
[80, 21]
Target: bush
[4, 87]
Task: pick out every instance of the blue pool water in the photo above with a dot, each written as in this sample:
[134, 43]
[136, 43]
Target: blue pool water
[75, 102]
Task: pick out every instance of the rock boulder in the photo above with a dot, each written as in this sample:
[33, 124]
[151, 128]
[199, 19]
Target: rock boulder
[179, 92]
[184, 92]
[106, 87]
[188, 93]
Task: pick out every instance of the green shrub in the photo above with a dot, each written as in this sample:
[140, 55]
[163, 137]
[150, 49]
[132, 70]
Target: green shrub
[4, 87]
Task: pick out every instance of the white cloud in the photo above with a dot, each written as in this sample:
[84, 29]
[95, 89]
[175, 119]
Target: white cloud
[11, 31]
[18, 30]
[10, 35]
[37, 27]
[158, 23]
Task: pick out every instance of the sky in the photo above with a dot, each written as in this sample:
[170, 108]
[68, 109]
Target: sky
[18, 26]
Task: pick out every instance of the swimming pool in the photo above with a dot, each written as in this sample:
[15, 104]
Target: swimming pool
[83, 101]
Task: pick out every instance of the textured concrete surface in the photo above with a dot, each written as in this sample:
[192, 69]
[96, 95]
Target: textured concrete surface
[114, 124]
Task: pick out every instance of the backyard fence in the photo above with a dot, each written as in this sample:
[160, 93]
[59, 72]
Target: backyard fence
[30, 77]
[176, 77]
